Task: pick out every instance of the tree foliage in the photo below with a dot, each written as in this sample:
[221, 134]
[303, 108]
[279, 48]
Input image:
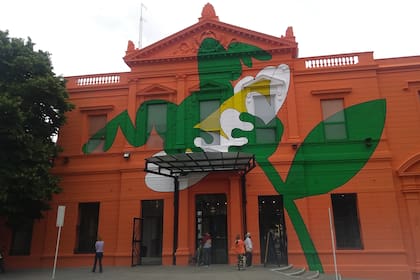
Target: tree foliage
[33, 103]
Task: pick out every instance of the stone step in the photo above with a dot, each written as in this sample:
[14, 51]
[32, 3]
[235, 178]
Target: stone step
[291, 271]
[282, 268]
[300, 273]
[296, 271]
[310, 275]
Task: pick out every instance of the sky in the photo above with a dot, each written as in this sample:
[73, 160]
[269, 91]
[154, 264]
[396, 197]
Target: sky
[90, 36]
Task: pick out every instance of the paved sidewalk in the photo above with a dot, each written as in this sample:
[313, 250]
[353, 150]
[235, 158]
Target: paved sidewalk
[158, 272]
[155, 272]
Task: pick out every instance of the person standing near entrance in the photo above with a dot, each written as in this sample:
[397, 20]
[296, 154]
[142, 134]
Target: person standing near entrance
[240, 251]
[99, 253]
[207, 249]
[248, 249]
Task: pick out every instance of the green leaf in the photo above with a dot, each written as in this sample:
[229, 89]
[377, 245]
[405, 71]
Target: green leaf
[320, 166]
[262, 151]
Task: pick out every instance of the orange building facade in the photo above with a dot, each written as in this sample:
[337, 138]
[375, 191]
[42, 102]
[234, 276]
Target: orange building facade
[224, 130]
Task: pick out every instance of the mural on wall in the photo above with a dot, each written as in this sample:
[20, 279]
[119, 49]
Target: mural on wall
[220, 117]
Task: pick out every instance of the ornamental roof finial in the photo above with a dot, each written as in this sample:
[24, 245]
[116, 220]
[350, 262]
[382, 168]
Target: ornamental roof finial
[208, 13]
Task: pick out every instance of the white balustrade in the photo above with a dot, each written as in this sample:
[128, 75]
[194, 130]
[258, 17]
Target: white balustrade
[98, 80]
[335, 61]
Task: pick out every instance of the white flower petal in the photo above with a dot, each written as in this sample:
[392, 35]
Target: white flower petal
[279, 84]
[161, 183]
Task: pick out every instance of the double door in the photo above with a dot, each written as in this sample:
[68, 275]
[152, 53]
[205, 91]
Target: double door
[211, 218]
[151, 231]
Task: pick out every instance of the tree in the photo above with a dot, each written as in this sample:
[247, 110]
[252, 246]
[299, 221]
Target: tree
[33, 103]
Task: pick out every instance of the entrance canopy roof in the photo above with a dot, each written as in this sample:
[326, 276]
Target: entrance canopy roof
[181, 164]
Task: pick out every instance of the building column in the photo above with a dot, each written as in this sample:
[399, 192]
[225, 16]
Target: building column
[183, 251]
[132, 98]
[235, 214]
[180, 123]
[132, 106]
[292, 114]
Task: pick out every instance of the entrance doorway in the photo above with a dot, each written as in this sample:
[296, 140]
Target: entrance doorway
[273, 238]
[151, 231]
[211, 218]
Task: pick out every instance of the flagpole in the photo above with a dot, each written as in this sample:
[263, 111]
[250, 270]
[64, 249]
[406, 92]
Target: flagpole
[141, 24]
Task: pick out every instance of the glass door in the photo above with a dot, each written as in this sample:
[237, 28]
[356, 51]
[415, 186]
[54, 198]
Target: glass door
[273, 238]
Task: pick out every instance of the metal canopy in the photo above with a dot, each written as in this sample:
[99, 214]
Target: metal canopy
[181, 164]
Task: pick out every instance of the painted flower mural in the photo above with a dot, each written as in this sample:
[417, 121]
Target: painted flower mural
[244, 118]
[261, 97]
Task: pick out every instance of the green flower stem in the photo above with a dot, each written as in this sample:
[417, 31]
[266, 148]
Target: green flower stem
[308, 246]
[302, 232]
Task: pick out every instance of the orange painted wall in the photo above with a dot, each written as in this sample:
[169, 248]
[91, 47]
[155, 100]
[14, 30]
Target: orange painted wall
[388, 187]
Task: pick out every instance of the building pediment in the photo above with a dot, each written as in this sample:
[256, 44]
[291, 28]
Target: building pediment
[411, 167]
[210, 86]
[157, 89]
[185, 43]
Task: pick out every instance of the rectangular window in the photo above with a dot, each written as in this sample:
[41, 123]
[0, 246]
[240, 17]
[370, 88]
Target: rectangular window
[334, 119]
[209, 111]
[22, 239]
[266, 135]
[264, 106]
[87, 228]
[346, 221]
[265, 125]
[156, 124]
[96, 122]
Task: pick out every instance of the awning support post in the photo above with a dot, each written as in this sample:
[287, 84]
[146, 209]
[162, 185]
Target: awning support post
[176, 218]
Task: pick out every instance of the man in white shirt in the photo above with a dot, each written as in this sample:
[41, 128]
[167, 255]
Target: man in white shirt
[248, 249]
[99, 253]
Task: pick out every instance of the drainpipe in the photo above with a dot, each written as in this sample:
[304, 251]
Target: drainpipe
[243, 186]
[176, 211]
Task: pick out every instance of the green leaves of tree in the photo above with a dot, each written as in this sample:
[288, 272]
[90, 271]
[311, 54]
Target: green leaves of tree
[33, 102]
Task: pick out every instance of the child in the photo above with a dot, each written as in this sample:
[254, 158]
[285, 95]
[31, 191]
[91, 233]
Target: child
[240, 251]
[207, 249]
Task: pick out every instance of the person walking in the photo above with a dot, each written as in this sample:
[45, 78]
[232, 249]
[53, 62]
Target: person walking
[248, 249]
[207, 249]
[99, 253]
